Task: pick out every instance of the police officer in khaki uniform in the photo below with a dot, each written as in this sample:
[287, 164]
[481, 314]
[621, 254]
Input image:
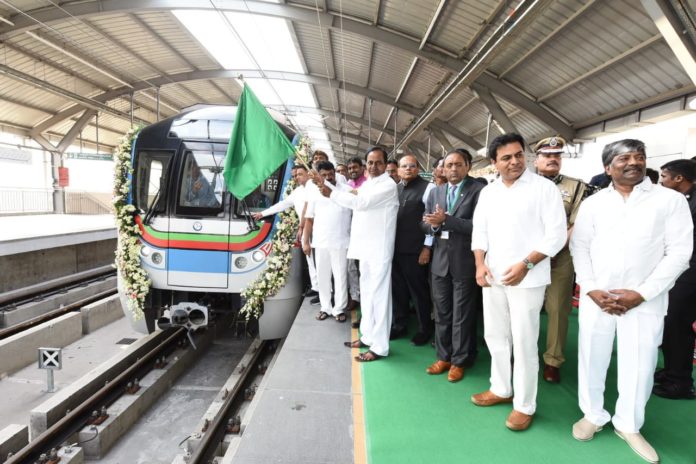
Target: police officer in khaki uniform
[558, 300]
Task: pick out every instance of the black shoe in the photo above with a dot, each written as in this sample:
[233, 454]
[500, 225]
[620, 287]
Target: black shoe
[674, 392]
[311, 292]
[356, 324]
[315, 300]
[397, 333]
[660, 375]
[420, 339]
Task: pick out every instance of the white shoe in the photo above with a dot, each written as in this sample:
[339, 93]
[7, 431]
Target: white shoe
[640, 446]
[584, 430]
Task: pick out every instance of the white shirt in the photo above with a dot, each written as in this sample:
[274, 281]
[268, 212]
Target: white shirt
[373, 227]
[642, 243]
[296, 199]
[511, 222]
[331, 228]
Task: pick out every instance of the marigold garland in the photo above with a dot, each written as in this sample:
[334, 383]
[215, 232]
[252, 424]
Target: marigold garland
[136, 282]
[273, 278]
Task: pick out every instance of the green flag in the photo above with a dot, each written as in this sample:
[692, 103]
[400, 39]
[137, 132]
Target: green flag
[257, 147]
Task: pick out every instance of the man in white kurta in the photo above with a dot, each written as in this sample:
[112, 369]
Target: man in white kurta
[296, 199]
[328, 225]
[630, 243]
[373, 229]
[519, 222]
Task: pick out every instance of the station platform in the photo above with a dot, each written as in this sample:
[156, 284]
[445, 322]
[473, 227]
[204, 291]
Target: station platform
[25, 233]
[35, 249]
[413, 417]
[305, 408]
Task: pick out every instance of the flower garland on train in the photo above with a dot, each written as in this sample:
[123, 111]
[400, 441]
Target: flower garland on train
[136, 283]
[273, 278]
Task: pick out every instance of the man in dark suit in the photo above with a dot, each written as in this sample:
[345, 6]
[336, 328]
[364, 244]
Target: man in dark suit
[448, 215]
[411, 255]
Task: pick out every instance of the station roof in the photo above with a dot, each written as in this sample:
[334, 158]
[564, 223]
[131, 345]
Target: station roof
[412, 75]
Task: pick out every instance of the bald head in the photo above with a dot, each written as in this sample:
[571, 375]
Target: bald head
[408, 168]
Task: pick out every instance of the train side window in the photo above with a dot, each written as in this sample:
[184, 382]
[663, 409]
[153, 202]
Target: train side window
[150, 178]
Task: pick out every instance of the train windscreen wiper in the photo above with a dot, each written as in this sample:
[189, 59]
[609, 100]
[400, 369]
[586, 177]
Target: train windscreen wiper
[151, 209]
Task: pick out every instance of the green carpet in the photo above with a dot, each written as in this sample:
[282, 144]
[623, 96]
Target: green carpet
[412, 417]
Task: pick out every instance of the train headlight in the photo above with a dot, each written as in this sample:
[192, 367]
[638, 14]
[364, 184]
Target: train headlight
[258, 256]
[157, 257]
[145, 251]
[241, 262]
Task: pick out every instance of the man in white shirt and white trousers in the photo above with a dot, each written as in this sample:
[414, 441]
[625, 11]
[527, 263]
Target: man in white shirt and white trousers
[373, 228]
[519, 223]
[328, 226]
[631, 242]
[296, 199]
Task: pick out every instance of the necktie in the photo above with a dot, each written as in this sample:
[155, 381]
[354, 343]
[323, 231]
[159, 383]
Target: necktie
[452, 197]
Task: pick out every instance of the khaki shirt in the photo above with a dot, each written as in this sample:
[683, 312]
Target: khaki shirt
[573, 191]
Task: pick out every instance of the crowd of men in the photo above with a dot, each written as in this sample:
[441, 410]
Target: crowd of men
[395, 244]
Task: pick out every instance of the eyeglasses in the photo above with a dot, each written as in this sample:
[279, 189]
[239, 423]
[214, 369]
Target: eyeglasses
[409, 166]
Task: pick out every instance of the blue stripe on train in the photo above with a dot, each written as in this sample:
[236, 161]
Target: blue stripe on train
[198, 261]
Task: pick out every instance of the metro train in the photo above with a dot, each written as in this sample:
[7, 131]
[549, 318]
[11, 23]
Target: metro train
[200, 247]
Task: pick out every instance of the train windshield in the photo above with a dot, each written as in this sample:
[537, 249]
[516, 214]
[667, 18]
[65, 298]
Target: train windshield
[264, 196]
[202, 183]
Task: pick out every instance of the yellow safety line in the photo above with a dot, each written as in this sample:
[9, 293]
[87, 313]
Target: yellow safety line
[359, 445]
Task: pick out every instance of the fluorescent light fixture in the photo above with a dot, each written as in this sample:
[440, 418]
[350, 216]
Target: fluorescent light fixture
[214, 34]
[6, 21]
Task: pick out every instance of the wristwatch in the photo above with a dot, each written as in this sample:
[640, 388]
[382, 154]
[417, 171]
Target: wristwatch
[528, 263]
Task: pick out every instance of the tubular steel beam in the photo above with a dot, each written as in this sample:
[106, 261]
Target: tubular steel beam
[494, 108]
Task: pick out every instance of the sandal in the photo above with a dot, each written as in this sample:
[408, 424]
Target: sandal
[368, 356]
[322, 315]
[341, 317]
[355, 344]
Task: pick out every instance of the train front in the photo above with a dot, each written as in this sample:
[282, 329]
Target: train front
[199, 246]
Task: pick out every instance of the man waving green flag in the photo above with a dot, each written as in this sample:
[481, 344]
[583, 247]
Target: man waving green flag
[257, 147]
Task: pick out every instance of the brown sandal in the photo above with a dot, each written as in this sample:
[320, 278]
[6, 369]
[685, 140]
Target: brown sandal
[355, 344]
[341, 317]
[368, 356]
[322, 315]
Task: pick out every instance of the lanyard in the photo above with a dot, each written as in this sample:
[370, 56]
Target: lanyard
[456, 196]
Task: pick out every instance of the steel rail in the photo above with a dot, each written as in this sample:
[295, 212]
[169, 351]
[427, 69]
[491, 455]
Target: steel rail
[33, 322]
[216, 431]
[73, 421]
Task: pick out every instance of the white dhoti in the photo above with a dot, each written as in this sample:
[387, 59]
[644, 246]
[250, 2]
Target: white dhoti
[332, 262]
[511, 327]
[638, 336]
[376, 305]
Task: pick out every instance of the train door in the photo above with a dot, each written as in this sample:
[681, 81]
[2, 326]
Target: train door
[198, 231]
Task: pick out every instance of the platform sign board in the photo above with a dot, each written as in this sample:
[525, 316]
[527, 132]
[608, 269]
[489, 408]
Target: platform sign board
[63, 177]
[50, 358]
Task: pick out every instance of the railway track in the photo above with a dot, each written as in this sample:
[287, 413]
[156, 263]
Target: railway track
[216, 425]
[43, 448]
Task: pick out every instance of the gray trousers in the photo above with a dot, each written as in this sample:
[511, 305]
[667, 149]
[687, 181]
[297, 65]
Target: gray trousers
[455, 322]
[354, 279]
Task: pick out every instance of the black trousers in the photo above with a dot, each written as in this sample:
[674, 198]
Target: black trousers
[410, 282]
[456, 304]
[679, 336]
